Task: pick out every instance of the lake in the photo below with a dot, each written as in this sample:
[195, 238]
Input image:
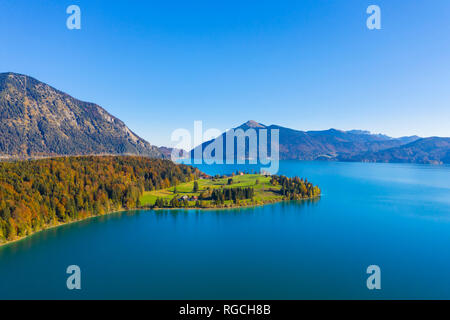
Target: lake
[396, 216]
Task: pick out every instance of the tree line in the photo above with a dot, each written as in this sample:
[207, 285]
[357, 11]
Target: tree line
[295, 188]
[234, 194]
[37, 194]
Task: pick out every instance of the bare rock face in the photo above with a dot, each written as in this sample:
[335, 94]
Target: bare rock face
[38, 120]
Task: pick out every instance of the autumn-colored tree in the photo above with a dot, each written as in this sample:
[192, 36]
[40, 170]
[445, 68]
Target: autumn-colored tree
[37, 194]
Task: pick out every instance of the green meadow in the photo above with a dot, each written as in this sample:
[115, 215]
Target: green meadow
[264, 191]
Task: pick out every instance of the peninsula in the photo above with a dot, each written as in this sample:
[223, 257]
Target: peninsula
[230, 191]
[39, 194]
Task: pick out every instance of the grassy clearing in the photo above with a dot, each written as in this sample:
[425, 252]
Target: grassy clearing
[264, 191]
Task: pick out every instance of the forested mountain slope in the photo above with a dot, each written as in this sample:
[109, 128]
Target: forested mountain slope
[37, 194]
[38, 120]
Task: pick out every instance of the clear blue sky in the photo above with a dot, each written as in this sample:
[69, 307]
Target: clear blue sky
[160, 65]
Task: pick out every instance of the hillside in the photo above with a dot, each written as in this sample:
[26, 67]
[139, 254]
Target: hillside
[329, 144]
[427, 151]
[231, 191]
[38, 120]
[37, 194]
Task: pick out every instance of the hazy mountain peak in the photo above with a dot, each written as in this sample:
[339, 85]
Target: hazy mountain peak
[359, 132]
[253, 124]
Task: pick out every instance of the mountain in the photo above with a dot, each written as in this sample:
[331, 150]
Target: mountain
[167, 152]
[428, 150]
[333, 144]
[38, 120]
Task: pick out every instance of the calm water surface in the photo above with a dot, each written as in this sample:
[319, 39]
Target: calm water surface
[392, 215]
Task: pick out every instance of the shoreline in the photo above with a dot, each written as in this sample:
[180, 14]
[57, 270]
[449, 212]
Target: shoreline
[147, 208]
[230, 208]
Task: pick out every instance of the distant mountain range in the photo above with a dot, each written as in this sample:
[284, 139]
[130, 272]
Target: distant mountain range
[38, 120]
[428, 150]
[355, 145]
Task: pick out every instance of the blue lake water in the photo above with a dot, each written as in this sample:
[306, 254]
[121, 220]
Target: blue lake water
[396, 216]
